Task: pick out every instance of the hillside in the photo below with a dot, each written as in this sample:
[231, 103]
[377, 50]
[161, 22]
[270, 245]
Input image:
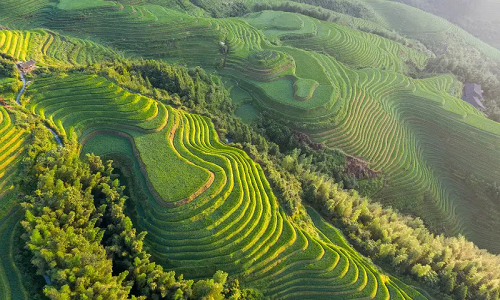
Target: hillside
[227, 203]
[227, 219]
[266, 59]
[477, 17]
[12, 145]
[427, 27]
[234, 129]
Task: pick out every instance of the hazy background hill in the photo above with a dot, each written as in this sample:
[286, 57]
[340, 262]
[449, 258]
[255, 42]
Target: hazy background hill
[479, 17]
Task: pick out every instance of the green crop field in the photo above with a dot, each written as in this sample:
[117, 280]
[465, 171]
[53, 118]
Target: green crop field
[304, 88]
[232, 222]
[425, 140]
[12, 145]
[75, 4]
[51, 49]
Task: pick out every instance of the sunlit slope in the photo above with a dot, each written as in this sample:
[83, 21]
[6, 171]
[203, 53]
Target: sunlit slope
[357, 110]
[78, 102]
[51, 49]
[12, 145]
[231, 222]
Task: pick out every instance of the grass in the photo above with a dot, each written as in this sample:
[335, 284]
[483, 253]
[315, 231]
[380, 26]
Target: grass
[247, 113]
[106, 144]
[173, 176]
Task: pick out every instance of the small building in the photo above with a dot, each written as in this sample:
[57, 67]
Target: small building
[473, 94]
[27, 67]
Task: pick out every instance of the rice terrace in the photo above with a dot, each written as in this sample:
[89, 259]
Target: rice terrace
[248, 149]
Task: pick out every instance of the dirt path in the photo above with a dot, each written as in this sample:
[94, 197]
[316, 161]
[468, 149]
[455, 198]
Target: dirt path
[18, 99]
[56, 137]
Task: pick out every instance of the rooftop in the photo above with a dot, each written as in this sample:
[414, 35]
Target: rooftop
[473, 94]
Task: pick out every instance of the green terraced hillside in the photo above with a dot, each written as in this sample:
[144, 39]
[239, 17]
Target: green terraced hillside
[12, 145]
[232, 221]
[171, 34]
[207, 206]
[347, 88]
[424, 140]
[51, 49]
[371, 114]
[350, 46]
[180, 37]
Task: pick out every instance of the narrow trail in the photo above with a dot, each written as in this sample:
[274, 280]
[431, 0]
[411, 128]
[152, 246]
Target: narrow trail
[18, 101]
[56, 137]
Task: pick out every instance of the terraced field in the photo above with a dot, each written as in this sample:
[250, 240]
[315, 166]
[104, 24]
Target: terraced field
[19, 14]
[12, 143]
[178, 37]
[170, 34]
[51, 49]
[353, 47]
[232, 221]
[424, 140]
[11, 148]
[366, 113]
[108, 104]
[207, 205]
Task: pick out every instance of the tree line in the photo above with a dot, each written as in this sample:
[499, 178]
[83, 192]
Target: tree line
[8, 70]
